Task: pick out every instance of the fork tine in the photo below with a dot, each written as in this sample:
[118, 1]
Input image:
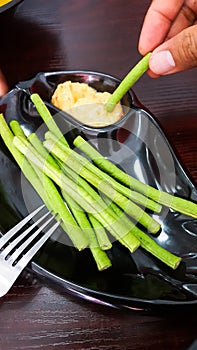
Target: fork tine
[9, 271]
[32, 251]
[4, 239]
[14, 243]
[25, 244]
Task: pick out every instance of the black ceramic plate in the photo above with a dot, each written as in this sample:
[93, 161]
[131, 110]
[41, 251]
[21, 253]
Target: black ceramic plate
[8, 5]
[138, 145]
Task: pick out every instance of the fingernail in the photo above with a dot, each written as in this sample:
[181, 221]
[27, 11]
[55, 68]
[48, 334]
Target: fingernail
[161, 62]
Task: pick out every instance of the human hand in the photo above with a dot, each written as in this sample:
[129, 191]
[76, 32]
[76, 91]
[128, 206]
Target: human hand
[170, 32]
[3, 85]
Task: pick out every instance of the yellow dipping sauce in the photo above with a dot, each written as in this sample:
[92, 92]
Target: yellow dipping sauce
[85, 104]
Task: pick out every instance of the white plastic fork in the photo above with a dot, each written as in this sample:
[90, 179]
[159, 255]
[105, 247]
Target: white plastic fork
[13, 259]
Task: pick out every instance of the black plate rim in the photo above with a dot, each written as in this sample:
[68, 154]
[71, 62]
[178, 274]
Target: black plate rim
[119, 301]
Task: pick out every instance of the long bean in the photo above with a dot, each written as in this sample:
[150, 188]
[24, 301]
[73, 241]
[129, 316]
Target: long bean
[129, 80]
[147, 243]
[127, 192]
[88, 203]
[101, 258]
[72, 159]
[181, 205]
[47, 117]
[50, 195]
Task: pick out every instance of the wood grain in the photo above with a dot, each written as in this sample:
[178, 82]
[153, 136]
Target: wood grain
[101, 36]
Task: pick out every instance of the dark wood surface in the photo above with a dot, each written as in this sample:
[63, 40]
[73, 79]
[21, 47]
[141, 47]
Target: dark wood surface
[100, 35]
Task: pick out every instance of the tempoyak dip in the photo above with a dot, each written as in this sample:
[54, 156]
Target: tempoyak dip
[85, 104]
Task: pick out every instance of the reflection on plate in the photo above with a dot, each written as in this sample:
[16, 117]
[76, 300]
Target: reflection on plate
[138, 145]
[7, 4]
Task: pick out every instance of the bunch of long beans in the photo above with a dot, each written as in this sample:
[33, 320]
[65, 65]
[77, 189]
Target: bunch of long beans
[69, 184]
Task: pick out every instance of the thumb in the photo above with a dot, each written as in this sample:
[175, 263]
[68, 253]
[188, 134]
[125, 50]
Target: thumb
[177, 54]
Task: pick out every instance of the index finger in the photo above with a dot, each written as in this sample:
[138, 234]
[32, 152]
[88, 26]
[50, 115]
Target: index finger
[157, 23]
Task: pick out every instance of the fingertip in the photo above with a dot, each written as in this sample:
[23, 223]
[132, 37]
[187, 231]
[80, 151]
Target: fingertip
[142, 51]
[143, 45]
[3, 85]
[3, 89]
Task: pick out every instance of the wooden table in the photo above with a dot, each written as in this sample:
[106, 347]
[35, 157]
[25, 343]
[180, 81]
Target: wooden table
[100, 35]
